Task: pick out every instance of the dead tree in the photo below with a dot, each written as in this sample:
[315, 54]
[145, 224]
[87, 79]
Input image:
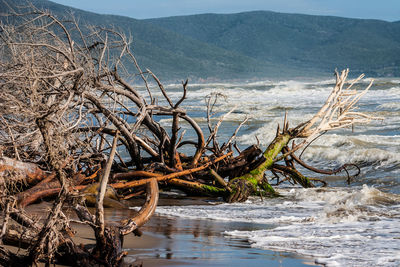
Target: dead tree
[55, 112]
[337, 112]
[70, 103]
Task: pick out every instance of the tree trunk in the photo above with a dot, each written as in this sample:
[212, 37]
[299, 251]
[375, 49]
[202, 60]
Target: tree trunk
[245, 185]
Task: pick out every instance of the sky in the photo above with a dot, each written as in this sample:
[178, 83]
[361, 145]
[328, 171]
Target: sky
[388, 10]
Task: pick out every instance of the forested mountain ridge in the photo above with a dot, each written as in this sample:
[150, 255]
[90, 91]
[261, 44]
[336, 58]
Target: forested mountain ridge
[250, 45]
[304, 41]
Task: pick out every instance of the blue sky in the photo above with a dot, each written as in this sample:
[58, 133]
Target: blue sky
[368, 9]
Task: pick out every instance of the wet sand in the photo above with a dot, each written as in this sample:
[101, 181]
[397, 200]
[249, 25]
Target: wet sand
[171, 241]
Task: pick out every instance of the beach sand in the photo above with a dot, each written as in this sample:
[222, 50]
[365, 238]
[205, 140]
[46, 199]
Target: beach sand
[169, 241]
[172, 241]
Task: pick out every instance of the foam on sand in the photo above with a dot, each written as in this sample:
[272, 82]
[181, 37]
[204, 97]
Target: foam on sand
[336, 226]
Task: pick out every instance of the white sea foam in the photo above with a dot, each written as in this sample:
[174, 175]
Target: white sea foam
[353, 228]
[371, 151]
[395, 106]
[338, 227]
[395, 81]
[344, 244]
[390, 93]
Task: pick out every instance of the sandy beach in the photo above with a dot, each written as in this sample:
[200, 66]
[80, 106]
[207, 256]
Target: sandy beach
[168, 241]
[172, 241]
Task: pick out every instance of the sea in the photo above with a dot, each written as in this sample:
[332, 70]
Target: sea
[337, 225]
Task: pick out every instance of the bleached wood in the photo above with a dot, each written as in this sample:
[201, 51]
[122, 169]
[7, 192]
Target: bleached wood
[338, 110]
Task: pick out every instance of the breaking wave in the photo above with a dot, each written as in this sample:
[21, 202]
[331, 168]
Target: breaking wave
[336, 226]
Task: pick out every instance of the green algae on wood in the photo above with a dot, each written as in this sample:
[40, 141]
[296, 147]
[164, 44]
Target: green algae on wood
[247, 184]
[198, 188]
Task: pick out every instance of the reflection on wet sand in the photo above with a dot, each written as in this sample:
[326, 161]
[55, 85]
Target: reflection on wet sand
[170, 241]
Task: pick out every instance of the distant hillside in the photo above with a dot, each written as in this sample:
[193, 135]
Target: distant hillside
[317, 42]
[251, 45]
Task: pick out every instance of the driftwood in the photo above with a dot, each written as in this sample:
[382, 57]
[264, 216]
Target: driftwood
[67, 111]
[14, 172]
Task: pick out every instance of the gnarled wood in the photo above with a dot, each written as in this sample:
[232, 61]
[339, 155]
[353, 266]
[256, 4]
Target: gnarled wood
[14, 171]
[145, 212]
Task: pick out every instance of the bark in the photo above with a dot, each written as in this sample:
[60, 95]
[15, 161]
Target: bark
[21, 173]
[47, 188]
[196, 188]
[99, 232]
[245, 185]
[168, 176]
[295, 175]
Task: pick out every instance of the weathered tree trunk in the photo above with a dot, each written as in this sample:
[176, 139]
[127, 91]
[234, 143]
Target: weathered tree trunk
[196, 188]
[243, 186]
[20, 173]
[108, 249]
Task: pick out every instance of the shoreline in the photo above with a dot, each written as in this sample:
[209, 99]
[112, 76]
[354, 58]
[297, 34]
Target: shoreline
[174, 241]
[171, 241]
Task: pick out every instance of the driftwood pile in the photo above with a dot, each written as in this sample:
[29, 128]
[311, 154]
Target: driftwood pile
[69, 110]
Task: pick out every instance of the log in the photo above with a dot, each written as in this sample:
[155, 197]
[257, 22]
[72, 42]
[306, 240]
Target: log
[245, 185]
[168, 176]
[192, 187]
[18, 172]
[196, 188]
[47, 188]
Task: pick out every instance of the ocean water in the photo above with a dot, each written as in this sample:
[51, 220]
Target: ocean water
[342, 225]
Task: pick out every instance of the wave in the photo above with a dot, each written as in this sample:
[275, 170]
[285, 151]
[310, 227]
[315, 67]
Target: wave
[285, 94]
[394, 106]
[254, 83]
[372, 152]
[336, 226]
[297, 205]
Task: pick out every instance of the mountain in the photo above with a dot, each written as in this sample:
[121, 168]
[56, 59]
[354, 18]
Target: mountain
[303, 41]
[250, 45]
